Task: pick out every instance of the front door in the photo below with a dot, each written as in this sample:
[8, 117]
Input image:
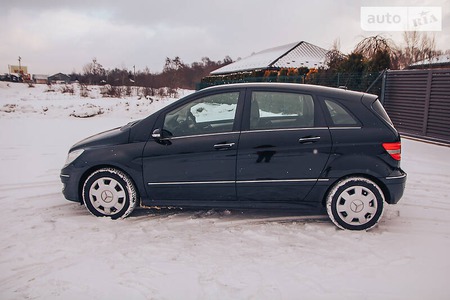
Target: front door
[195, 158]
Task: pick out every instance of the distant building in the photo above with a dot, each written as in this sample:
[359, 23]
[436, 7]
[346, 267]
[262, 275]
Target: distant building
[40, 79]
[287, 63]
[438, 62]
[18, 69]
[59, 78]
[10, 77]
[294, 55]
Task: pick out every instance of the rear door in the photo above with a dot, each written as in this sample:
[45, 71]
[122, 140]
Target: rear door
[283, 147]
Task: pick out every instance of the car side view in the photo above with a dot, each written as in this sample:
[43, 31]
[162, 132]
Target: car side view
[258, 145]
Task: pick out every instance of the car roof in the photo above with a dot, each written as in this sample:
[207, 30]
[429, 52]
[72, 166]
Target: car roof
[316, 89]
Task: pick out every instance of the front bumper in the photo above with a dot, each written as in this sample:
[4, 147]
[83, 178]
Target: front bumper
[70, 181]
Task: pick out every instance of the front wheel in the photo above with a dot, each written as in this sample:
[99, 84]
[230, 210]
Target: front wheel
[109, 192]
[355, 203]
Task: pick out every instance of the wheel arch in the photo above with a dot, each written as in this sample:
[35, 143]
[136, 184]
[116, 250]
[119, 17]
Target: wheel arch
[95, 168]
[377, 181]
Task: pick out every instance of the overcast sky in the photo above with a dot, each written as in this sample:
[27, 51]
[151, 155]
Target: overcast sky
[63, 36]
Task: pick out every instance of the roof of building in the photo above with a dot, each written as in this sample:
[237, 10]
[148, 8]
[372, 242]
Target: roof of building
[40, 76]
[294, 55]
[443, 59]
[59, 75]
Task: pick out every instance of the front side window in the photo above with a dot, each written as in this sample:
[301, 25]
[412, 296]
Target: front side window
[211, 114]
[274, 110]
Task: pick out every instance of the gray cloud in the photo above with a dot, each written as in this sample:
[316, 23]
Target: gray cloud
[62, 36]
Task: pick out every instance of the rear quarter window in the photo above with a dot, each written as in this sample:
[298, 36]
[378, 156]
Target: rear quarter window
[379, 109]
[340, 116]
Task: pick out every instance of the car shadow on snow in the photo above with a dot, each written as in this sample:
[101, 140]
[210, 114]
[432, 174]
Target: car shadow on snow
[245, 215]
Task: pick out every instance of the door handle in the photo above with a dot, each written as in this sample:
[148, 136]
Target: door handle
[309, 139]
[223, 146]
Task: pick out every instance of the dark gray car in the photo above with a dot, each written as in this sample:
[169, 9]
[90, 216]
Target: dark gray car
[268, 145]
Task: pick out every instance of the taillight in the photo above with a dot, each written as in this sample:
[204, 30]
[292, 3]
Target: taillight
[394, 149]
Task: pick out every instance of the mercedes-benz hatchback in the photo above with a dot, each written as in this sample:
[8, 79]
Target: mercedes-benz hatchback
[267, 145]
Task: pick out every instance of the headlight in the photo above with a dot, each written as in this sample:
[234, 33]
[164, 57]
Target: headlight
[73, 155]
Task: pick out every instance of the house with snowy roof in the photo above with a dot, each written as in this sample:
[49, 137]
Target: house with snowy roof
[59, 78]
[288, 63]
[40, 78]
[437, 62]
[295, 55]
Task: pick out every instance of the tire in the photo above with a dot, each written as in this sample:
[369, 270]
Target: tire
[109, 192]
[355, 203]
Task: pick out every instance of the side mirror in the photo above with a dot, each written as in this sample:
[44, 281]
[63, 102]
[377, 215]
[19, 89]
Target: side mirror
[161, 134]
[156, 134]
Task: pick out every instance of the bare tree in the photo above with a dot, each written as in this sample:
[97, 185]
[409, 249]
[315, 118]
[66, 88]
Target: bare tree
[416, 46]
[334, 56]
[372, 45]
[377, 51]
[94, 72]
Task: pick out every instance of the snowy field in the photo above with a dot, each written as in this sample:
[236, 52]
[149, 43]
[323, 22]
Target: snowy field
[54, 249]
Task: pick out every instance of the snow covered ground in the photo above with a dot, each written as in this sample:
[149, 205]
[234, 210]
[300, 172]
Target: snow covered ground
[54, 249]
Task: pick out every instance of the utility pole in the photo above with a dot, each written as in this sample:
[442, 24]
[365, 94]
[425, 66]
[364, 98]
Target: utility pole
[20, 68]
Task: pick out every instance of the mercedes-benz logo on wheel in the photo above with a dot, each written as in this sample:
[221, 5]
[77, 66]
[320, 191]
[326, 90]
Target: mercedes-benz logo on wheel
[357, 206]
[107, 196]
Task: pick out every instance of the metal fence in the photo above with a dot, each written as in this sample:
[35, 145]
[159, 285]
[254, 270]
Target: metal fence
[418, 102]
[352, 81]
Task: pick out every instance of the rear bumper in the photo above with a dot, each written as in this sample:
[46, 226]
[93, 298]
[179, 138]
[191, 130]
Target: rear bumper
[395, 187]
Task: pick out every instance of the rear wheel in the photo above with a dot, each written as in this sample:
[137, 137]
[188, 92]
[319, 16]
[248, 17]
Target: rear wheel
[109, 192]
[355, 203]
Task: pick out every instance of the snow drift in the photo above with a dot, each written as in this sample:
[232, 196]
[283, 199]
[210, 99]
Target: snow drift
[54, 249]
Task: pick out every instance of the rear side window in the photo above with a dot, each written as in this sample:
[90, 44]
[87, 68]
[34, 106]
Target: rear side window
[339, 115]
[277, 110]
[379, 109]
